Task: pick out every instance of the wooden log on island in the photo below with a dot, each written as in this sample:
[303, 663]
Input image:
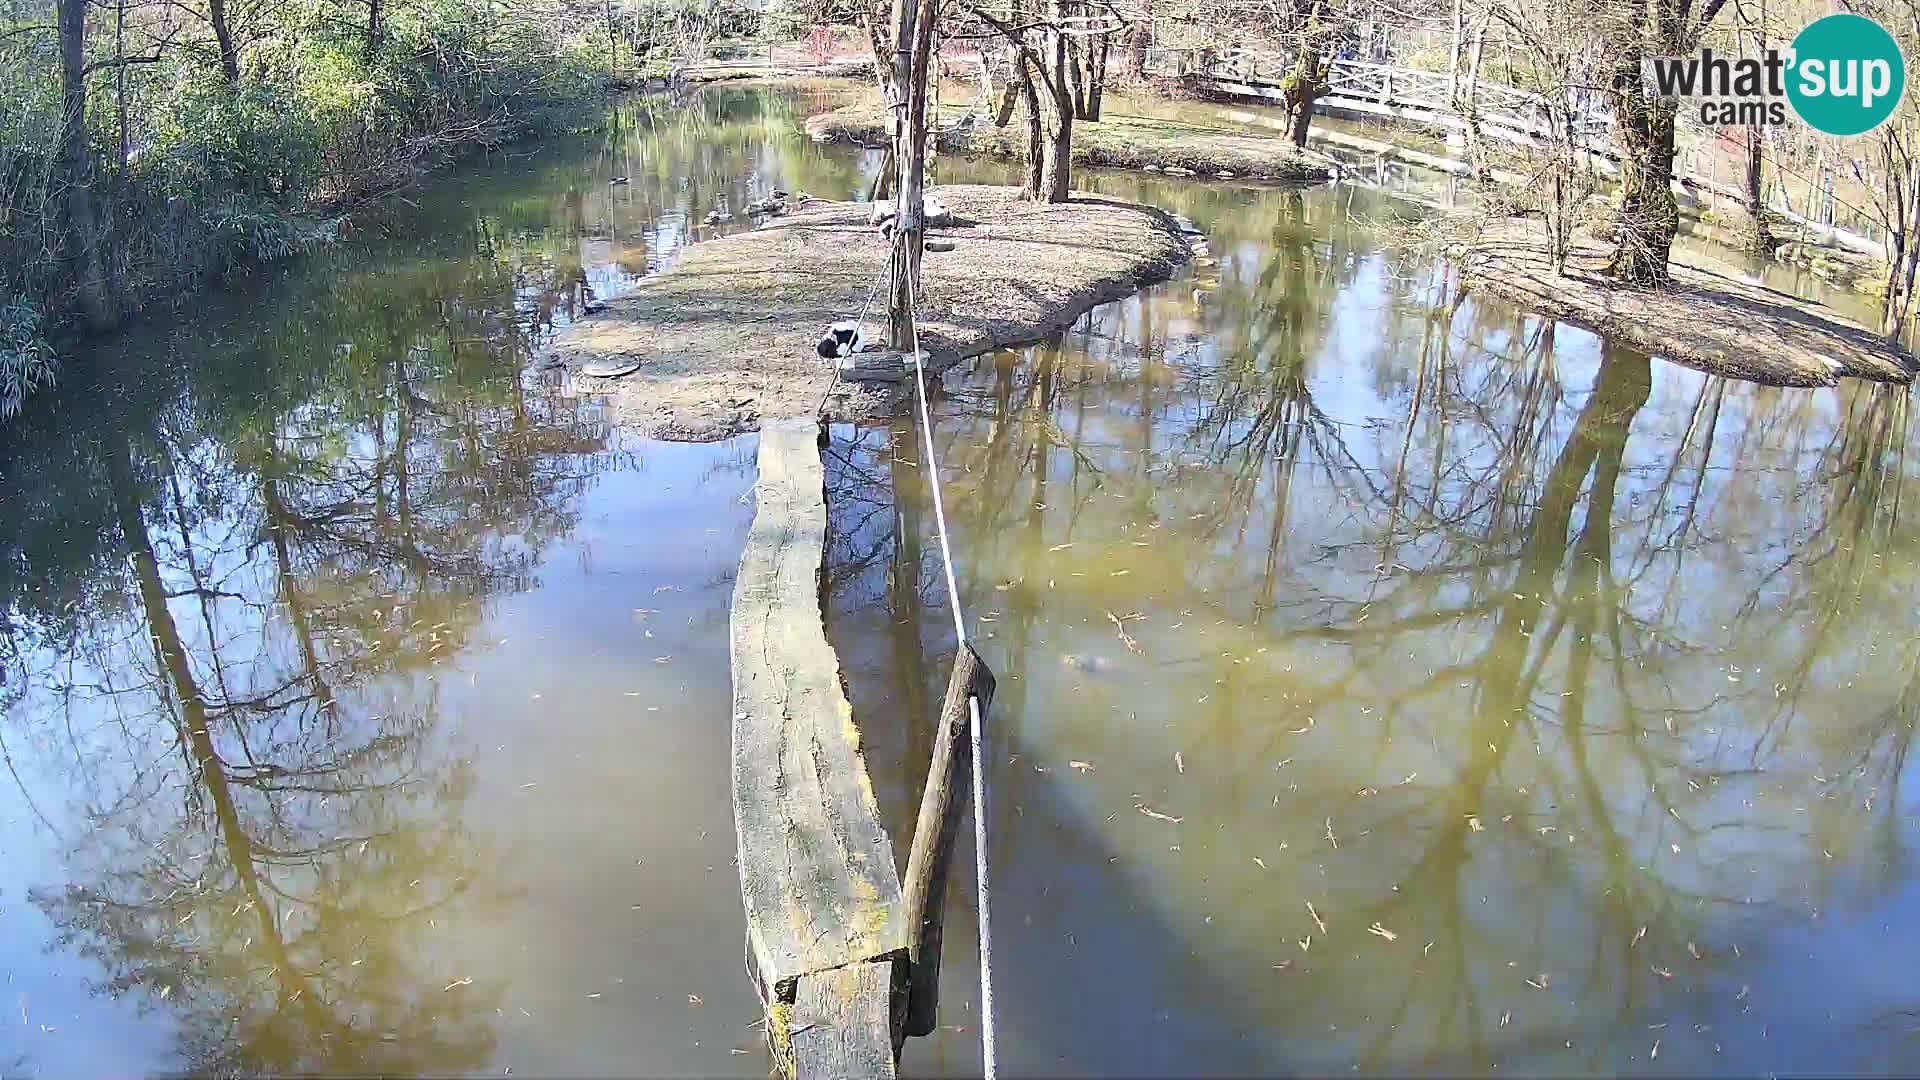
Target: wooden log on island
[827, 932]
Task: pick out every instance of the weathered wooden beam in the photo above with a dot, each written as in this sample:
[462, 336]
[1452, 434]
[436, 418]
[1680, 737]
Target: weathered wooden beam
[841, 1023]
[817, 877]
[925, 890]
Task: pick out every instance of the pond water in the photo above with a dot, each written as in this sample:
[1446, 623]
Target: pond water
[363, 690]
[1391, 682]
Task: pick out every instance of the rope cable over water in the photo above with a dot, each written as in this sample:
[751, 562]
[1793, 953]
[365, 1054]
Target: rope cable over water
[988, 1050]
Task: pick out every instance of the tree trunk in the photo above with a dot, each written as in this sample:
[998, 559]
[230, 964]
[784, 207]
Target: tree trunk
[882, 66]
[613, 43]
[889, 172]
[1142, 37]
[1003, 115]
[910, 218]
[374, 29]
[82, 232]
[1076, 84]
[1903, 246]
[1457, 44]
[1097, 50]
[223, 37]
[1759, 238]
[1057, 176]
[985, 108]
[1302, 87]
[1468, 105]
[1647, 217]
[123, 148]
[1032, 187]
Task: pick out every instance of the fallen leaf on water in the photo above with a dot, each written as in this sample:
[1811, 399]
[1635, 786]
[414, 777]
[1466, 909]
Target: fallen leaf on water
[1506, 1018]
[1260, 862]
[1179, 762]
[1540, 982]
[1381, 932]
[1081, 766]
[1159, 816]
[695, 999]
[468, 981]
[1317, 920]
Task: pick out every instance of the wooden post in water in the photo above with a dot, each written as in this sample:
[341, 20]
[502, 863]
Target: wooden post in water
[826, 930]
[924, 892]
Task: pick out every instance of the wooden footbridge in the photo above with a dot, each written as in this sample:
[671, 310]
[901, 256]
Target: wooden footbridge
[844, 952]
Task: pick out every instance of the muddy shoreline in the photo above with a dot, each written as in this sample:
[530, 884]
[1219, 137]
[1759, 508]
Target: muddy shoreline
[727, 336]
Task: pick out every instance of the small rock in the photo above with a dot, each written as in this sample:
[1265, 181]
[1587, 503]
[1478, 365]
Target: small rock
[940, 245]
[1152, 168]
[1175, 170]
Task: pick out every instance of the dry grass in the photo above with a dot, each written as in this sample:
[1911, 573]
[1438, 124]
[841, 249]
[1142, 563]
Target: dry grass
[727, 336]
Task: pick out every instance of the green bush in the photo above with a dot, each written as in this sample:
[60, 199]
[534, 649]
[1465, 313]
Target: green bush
[261, 141]
[26, 363]
[213, 175]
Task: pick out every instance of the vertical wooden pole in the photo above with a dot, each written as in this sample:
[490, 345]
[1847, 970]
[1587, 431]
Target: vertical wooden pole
[924, 892]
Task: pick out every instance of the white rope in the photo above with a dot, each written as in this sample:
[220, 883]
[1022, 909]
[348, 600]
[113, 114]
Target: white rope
[988, 1052]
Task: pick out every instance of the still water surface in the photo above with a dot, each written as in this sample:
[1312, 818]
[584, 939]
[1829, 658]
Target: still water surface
[365, 690]
[1393, 681]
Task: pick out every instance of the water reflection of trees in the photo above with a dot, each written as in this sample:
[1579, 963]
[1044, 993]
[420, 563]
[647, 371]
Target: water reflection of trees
[1614, 622]
[225, 635]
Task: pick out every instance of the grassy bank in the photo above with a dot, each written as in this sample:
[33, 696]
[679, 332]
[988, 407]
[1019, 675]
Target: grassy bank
[1119, 142]
[192, 159]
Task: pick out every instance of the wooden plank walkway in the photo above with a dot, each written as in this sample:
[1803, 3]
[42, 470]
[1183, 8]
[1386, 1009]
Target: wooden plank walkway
[826, 930]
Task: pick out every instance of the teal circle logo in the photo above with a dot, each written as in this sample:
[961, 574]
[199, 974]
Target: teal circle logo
[1846, 75]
